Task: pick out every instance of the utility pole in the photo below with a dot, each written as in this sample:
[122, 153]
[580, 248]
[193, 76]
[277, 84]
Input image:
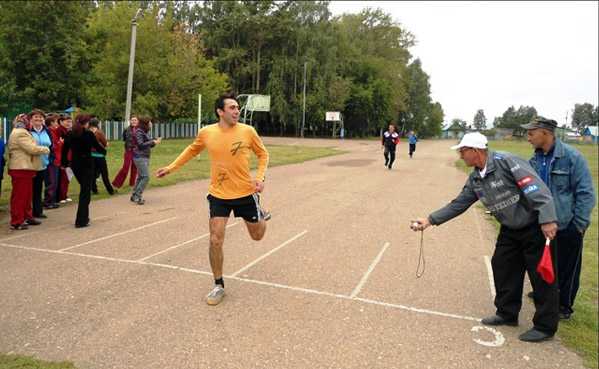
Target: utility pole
[131, 64]
[304, 113]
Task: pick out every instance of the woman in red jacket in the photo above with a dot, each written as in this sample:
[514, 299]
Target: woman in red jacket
[130, 144]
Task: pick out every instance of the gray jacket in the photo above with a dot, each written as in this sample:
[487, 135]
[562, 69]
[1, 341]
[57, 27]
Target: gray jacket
[511, 190]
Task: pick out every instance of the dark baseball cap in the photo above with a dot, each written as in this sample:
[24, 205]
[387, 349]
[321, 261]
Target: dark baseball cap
[540, 122]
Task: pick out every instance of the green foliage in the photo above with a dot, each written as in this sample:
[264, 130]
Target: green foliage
[43, 54]
[584, 115]
[513, 118]
[458, 124]
[26, 362]
[480, 121]
[170, 69]
[78, 52]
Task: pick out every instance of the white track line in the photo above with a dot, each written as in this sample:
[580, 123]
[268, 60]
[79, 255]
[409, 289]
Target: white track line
[490, 273]
[45, 230]
[118, 234]
[269, 253]
[262, 283]
[418, 310]
[182, 244]
[370, 269]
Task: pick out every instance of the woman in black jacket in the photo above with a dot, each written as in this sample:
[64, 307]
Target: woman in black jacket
[81, 141]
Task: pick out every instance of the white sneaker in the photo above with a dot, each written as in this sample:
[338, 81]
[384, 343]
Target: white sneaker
[216, 295]
[63, 201]
[68, 199]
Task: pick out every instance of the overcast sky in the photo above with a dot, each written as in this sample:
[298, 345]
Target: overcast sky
[491, 55]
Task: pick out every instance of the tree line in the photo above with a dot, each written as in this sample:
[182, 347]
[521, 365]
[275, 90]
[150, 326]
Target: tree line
[77, 53]
[582, 116]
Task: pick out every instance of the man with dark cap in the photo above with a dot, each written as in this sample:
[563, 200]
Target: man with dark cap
[566, 172]
[519, 200]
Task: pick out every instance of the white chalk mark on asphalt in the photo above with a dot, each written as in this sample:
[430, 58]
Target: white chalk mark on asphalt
[45, 230]
[182, 244]
[118, 234]
[490, 274]
[269, 253]
[499, 339]
[262, 283]
[370, 269]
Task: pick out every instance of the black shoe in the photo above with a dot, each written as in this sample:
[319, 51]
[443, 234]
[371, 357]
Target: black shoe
[32, 222]
[497, 320]
[140, 201]
[41, 216]
[19, 227]
[51, 206]
[564, 315]
[534, 335]
[133, 199]
[82, 225]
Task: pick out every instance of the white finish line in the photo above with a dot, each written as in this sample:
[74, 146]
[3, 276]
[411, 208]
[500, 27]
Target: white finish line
[262, 283]
[269, 253]
[118, 234]
[370, 269]
[182, 244]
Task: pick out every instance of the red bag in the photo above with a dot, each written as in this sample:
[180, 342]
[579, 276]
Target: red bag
[545, 266]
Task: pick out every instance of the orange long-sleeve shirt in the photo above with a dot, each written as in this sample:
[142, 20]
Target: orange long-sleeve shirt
[229, 151]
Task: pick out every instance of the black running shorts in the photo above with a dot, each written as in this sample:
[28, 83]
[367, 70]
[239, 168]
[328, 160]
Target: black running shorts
[247, 207]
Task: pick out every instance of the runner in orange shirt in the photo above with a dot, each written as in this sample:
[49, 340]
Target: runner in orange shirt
[231, 187]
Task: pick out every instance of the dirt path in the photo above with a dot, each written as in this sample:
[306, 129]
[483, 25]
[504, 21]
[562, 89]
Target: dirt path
[332, 285]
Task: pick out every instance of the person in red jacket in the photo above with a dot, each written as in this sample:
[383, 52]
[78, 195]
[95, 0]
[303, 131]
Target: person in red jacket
[130, 144]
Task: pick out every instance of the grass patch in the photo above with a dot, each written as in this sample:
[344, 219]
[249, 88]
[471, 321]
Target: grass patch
[27, 362]
[580, 332]
[167, 151]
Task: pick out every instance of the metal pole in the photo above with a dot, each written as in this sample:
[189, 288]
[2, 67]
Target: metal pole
[131, 64]
[304, 113]
[199, 111]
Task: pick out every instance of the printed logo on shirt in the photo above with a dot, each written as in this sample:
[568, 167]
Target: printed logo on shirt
[504, 204]
[235, 147]
[531, 188]
[496, 184]
[524, 181]
[503, 195]
[515, 167]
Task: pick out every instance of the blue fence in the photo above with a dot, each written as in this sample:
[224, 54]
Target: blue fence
[114, 130]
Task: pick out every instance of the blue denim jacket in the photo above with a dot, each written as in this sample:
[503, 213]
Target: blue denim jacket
[570, 183]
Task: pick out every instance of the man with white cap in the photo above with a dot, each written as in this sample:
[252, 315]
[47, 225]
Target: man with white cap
[511, 190]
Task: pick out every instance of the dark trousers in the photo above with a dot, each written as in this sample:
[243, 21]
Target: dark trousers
[38, 185]
[412, 149]
[84, 176]
[122, 174]
[389, 154]
[518, 251]
[20, 197]
[51, 185]
[101, 169]
[569, 260]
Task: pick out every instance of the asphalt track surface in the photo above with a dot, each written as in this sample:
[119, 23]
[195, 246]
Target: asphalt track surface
[332, 285]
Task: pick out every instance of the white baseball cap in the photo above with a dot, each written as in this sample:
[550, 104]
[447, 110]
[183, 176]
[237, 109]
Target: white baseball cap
[475, 140]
